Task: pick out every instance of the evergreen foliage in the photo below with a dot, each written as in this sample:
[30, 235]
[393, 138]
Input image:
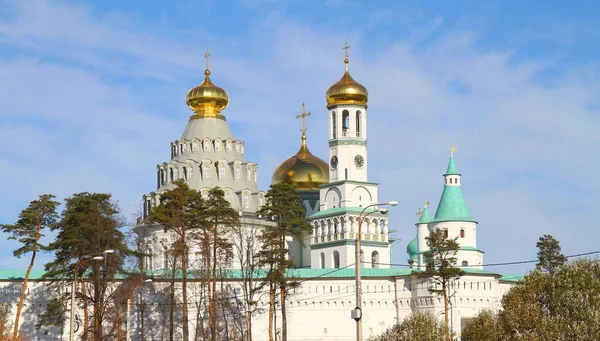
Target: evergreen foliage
[181, 213]
[89, 225]
[28, 230]
[440, 265]
[284, 207]
[549, 255]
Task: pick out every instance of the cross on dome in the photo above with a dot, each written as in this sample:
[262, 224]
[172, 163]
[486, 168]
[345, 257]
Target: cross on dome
[419, 212]
[207, 56]
[303, 116]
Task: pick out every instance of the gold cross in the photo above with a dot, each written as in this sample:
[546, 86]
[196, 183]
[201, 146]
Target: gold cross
[419, 212]
[345, 48]
[207, 55]
[303, 116]
[452, 151]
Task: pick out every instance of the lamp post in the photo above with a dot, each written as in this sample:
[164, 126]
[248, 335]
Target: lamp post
[81, 261]
[357, 312]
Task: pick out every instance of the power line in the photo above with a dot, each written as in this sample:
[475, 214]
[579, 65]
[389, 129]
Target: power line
[497, 264]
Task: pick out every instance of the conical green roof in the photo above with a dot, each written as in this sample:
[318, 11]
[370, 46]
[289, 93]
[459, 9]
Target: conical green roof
[452, 167]
[452, 206]
[412, 248]
[425, 218]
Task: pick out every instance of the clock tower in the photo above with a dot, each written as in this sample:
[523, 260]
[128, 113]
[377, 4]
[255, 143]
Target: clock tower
[342, 199]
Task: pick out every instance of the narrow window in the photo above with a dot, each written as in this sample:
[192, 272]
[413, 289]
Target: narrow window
[205, 171]
[237, 172]
[462, 233]
[336, 260]
[446, 233]
[345, 122]
[245, 200]
[333, 125]
[190, 173]
[222, 172]
[322, 260]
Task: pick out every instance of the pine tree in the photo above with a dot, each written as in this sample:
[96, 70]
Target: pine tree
[549, 255]
[37, 217]
[88, 226]
[441, 266]
[219, 220]
[285, 208]
[181, 214]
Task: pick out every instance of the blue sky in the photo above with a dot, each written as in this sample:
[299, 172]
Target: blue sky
[91, 94]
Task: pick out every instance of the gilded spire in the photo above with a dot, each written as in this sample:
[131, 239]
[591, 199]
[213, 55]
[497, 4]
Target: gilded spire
[347, 91]
[207, 99]
[304, 171]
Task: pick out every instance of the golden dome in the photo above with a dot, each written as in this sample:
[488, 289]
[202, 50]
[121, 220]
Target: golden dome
[304, 171]
[347, 91]
[207, 99]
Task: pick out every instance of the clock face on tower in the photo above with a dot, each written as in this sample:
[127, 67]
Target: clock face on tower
[334, 162]
[359, 161]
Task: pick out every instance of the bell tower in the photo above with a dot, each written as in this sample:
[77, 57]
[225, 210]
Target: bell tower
[347, 111]
[348, 192]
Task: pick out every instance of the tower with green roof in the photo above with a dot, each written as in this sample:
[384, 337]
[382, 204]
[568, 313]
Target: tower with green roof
[452, 216]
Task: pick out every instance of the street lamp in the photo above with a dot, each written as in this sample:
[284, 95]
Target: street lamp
[357, 312]
[81, 261]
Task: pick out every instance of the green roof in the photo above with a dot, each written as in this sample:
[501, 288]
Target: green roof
[413, 247]
[425, 218]
[339, 210]
[452, 206]
[20, 274]
[452, 167]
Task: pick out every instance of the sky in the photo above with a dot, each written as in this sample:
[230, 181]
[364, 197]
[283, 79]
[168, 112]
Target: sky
[92, 93]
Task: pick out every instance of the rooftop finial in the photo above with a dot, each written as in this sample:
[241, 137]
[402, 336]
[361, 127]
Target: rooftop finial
[207, 70]
[452, 151]
[426, 204]
[303, 116]
[346, 60]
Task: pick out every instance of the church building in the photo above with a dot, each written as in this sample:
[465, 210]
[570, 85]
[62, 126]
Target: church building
[342, 204]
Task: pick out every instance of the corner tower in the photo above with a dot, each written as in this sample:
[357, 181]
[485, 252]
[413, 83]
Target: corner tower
[348, 191]
[453, 217]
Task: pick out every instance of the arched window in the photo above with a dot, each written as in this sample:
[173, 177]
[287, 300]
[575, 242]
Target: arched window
[336, 260]
[345, 122]
[358, 126]
[322, 260]
[462, 233]
[375, 259]
[333, 125]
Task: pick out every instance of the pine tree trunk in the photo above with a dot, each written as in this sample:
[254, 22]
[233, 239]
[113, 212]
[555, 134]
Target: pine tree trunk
[184, 261]
[213, 301]
[85, 311]
[119, 324]
[172, 302]
[282, 288]
[24, 286]
[444, 285]
[271, 310]
[283, 315]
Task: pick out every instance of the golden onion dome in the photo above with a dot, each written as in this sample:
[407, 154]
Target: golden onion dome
[207, 99]
[304, 171]
[347, 91]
